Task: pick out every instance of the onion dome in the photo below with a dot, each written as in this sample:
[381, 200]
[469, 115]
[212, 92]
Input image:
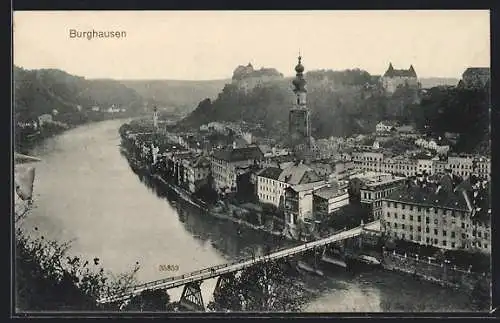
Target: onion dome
[299, 68]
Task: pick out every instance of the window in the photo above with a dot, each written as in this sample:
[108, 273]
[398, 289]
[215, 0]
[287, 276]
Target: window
[411, 207]
[463, 225]
[419, 218]
[388, 214]
[419, 237]
[486, 245]
[403, 236]
[453, 244]
[435, 232]
[411, 217]
[463, 235]
[427, 230]
[444, 242]
[395, 225]
[427, 219]
[403, 206]
[435, 241]
[444, 233]
[486, 235]
[453, 234]
[419, 209]
[395, 215]
[479, 234]
[411, 227]
[411, 236]
[402, 226]
[427, 240]
[402, 216]
[419, 229]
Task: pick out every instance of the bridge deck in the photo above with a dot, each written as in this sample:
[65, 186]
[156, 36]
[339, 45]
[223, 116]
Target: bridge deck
[214, 271]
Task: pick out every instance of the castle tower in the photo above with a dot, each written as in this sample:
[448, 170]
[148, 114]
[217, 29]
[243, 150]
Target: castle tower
[299, 126]
[155, 118]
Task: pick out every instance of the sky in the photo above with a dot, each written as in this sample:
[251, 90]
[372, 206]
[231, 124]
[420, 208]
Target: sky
[204, 45]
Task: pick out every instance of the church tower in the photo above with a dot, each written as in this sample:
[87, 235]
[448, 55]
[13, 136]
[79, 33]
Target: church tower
[299, 126]
[155, 118]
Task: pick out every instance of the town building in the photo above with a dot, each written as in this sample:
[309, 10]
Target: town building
[272, 181]
[330, 198]
[373, 187]
[400, 165]
[367, 159]
[269, 188]
[299, 205]
[475, 77]
[461, 165]
[386, 126]
[393, 78]
[440, 215]
[197, 170]
[482, 167]
[227, 163]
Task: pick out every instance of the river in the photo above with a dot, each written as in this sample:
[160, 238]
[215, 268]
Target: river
[86, 192]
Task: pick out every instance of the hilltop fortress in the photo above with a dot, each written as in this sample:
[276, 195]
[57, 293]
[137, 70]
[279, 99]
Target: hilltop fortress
[246, 77]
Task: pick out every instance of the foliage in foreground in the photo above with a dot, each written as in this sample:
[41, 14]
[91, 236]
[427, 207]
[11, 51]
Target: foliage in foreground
[267, 288]
[49, 279]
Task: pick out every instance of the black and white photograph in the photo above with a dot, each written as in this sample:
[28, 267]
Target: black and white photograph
[333, 161]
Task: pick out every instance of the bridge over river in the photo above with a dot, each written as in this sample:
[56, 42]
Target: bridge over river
[191, 295]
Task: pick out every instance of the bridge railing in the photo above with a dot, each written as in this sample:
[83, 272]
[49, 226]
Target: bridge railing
[186, 278]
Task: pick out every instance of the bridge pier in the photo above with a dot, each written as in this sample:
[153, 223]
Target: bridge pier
[191, 297]
[222, 282]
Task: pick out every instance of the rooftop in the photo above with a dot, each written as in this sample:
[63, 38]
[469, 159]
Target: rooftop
[270, 172]
[429, 195]
[329, 191]
[239, 154]
[298, 174]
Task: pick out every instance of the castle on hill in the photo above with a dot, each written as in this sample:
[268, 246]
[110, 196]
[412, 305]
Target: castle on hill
[246, 77]
[393, 78]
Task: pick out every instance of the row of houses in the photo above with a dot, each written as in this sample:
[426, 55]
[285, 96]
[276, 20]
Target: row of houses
[382, 161]
[428, 209]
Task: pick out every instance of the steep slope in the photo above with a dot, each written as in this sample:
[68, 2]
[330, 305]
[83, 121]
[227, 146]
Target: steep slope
[180, 97]
[38, 92]
[342, 102]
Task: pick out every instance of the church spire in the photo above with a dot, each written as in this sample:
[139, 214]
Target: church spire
[299, 82]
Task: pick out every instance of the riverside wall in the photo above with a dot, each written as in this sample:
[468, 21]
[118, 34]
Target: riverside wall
[440, 273]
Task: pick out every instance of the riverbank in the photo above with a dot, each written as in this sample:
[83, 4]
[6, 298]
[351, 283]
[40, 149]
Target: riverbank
[224, 213]
[203, 206]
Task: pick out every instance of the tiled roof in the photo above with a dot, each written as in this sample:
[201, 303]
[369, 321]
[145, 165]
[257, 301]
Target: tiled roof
[270, 172]
[306, 187]
[391, 72]
[298, 174]
[429, 196]
[328, 192]
[239, 154]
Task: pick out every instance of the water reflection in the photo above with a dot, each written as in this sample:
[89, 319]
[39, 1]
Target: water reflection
[85, 191]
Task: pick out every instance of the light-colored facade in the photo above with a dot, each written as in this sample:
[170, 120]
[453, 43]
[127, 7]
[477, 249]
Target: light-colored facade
[375, 187]
[461, 165]
[228, 163]
[269, 188]
[448, 222]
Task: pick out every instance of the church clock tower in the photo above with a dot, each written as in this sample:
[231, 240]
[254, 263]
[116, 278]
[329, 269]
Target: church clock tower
[299, 126]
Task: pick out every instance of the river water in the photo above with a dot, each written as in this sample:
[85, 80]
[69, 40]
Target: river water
[85, 192]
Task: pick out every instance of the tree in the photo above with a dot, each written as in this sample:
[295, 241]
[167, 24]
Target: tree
[149, 301]
[266, 287]
[48, 279]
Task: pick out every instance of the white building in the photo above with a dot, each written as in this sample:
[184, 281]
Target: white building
[227, 163]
